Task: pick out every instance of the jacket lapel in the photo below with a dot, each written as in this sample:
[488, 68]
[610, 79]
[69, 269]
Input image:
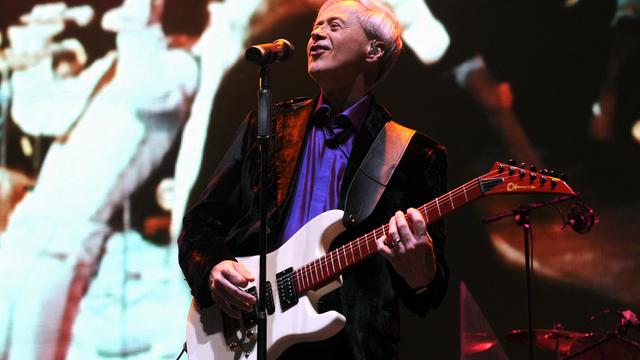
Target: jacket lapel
[291, 127]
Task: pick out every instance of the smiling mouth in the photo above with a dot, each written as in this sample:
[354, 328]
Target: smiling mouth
[317, 50]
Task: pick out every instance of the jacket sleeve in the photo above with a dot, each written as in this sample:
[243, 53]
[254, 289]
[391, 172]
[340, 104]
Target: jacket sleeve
[428, 182]
[203, 240]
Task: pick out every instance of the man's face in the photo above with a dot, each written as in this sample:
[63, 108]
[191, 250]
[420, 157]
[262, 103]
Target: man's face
[338, 45]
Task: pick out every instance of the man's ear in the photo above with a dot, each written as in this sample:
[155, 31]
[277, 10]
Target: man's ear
[375, 51]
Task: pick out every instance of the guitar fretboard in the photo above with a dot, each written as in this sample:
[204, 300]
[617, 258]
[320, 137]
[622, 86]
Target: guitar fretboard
[325, 269]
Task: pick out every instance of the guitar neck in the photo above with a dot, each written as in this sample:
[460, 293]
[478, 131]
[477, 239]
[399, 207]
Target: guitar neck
[327, 268]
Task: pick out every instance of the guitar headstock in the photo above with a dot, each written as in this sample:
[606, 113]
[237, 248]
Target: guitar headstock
[514, 179]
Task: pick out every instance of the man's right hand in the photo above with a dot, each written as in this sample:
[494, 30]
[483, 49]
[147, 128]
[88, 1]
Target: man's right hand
[225, 282]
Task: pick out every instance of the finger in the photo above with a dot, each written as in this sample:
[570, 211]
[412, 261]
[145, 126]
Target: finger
[393, 235]
[217, 286]
[234, 277]
[417, 222]
[243, 271]
[222, 304]
[403, 228]
[236, 297]
[383, 248]
[222, 286]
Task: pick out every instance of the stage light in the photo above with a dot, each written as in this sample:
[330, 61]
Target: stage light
[635, 131]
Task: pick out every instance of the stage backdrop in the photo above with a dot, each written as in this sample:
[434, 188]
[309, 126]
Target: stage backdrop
[525, 80]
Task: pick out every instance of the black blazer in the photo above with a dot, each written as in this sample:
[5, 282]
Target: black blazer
[225, 224]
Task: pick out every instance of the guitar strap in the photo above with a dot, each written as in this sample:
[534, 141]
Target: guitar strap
[374, 173]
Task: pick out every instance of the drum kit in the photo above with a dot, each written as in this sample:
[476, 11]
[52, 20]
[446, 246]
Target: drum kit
[568, 345]
[571, 345]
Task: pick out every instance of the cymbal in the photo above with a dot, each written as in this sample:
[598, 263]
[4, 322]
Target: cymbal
[546, 339]
[477, 342]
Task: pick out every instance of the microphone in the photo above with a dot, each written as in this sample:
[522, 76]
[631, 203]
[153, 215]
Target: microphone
[265, 54]
[581, 217]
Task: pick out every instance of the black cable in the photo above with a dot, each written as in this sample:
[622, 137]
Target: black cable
[184, 350]
[531, 253]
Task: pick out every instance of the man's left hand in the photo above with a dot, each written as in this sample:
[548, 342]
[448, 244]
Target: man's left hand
[409, 248]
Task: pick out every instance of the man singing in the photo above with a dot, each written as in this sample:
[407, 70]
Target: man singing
[319, 145]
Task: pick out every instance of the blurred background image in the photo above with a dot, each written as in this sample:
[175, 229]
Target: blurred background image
[114, 114]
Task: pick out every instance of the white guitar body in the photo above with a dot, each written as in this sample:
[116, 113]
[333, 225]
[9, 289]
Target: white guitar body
[300, 323]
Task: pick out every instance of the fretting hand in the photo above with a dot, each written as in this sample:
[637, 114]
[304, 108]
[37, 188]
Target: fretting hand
[409, 249]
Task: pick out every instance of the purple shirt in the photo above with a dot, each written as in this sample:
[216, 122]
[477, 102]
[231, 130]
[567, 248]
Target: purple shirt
[320, 176]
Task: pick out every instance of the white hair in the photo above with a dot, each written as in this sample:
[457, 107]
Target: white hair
[378, 22]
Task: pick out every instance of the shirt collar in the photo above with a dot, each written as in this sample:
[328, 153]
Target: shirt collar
[356, 113]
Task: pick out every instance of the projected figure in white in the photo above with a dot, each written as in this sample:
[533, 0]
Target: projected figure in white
[422, 32]
[228, 30]
[113, 124]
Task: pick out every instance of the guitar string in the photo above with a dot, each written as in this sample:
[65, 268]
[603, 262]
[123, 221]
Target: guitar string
[361, 241]
[308, 269]
[321, 262]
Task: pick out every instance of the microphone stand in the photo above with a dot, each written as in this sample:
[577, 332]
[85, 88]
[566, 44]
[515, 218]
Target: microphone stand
[264, 141]
[522, 218]
[6, 94]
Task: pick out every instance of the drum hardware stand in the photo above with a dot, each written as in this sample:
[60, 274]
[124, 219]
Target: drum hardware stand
[522, 218]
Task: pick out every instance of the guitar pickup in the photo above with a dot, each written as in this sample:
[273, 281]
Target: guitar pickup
[250, 319]
[269, 304]
[286, 289]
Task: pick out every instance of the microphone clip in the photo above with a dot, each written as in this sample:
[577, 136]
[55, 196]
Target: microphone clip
[581, 217]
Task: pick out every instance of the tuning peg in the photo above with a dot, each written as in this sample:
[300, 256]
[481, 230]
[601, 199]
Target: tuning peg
[532, 176]
[512, 162]
[543, 179]
[553, 173]
[564, 177]
[544, 172]
[533, 168]
[522, 165]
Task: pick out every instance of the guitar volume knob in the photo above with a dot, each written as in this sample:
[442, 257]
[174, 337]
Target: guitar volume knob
[234, 346]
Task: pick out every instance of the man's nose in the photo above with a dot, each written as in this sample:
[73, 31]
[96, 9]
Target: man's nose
[318, 34]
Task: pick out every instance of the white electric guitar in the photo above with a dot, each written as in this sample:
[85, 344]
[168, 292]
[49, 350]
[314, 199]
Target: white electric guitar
[301, 271]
